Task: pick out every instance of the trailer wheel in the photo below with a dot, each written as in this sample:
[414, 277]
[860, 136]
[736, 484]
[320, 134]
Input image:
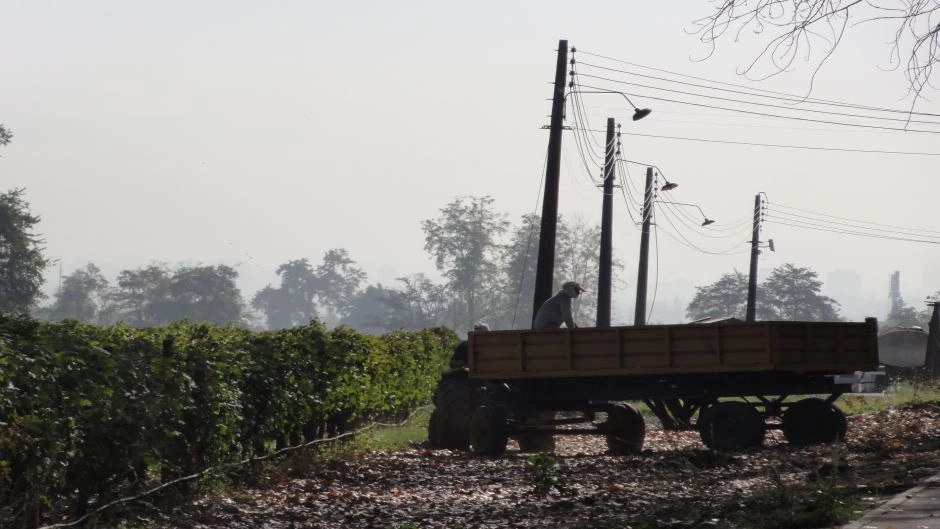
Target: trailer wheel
[813, 421]
[453, 401]
[731, 425]
[489, 432]
[626, 430]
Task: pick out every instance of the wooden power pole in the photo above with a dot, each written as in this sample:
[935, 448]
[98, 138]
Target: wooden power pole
[544, 272]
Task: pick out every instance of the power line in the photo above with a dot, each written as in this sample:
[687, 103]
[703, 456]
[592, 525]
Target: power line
[780, 146]
[693, 246]
[767, 105]
[853, 220]
[764, 114]
[695, 224]
[794, 99]
[826, 101]
[802, 218]
[846, 232]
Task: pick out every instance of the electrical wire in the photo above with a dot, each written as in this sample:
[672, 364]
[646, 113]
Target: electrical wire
[764, 114]
[768, 105]
[631, 184]
[854, 220]
[770, 219]
[780, 146]
[802, 98]
[578, 101]
[843, 225]
[627, 206]
[528, 245]
[649, 315]
[689, 244]
[694, 224]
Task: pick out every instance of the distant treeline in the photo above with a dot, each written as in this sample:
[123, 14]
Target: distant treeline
[488, 266]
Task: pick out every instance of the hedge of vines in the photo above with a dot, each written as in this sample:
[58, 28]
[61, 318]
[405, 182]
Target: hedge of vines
[87, 412]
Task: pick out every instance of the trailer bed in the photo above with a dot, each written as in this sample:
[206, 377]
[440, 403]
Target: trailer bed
[684, 349]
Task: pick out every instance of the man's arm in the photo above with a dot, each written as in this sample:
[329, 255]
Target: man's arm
[566, 313]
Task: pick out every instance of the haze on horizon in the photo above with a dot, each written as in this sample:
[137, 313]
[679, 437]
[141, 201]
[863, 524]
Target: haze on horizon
[249, 135]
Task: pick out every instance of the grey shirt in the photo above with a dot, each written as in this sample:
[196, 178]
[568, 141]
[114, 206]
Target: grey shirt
[555, 311]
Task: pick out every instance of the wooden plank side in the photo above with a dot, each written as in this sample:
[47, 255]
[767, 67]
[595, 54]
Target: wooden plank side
[821, 346]
[674, 349]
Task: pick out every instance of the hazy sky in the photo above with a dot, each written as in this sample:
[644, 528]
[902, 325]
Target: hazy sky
[251, 133]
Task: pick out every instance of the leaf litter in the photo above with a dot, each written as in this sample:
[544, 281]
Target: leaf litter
[676, 482]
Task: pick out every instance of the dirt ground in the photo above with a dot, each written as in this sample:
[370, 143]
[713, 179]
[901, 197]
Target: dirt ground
[674, 483]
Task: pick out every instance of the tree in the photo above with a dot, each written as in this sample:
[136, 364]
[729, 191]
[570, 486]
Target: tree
[154, 295]
[292, 303]
[789, 293]
[337, 283]
[418, 304]
[6, 136]
[579, 260]
[142, 295]
[21, 252]
[791, 29]
[518, 260]
[725, 297]
[81, 296]
[333, 286]
[793, 293]
[902, 315]
[368, 310]
[204, 293]
[463, 242]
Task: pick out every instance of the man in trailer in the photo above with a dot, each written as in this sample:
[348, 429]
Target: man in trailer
[557, 309]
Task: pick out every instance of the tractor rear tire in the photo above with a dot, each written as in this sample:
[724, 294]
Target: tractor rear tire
[489, 432]
[626, 430]
[813, 421]
[453, 401]
[731, 426]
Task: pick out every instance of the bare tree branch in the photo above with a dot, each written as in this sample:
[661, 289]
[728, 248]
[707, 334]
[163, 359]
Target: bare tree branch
[794, 27]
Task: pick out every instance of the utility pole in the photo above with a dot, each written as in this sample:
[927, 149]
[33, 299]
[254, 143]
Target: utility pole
[932, 358]
[607, 211]
[755, 251]
[544, 272]
[639, 317]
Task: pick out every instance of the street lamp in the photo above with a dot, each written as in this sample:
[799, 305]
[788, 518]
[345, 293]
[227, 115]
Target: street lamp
[707, 220]
[638, 113]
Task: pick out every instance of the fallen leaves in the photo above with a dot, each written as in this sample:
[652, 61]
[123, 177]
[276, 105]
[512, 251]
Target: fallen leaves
[675, 482]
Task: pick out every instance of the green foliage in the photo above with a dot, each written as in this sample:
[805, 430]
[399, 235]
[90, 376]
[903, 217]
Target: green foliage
[463, 243]
[81, 296]
[156, 295]
[793, 293]
[99, 409]
[725, 297]
[794, 506]
[21, 253]
[789, 293]
[332, 287]
[543, 468]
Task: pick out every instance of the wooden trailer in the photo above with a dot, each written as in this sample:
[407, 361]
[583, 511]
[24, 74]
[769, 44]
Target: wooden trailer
[725, 379]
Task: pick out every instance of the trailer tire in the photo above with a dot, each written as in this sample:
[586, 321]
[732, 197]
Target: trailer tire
[626, 430]
[731, 426]
[453, 401]
[489, 432]
[813, 421]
